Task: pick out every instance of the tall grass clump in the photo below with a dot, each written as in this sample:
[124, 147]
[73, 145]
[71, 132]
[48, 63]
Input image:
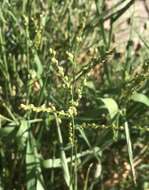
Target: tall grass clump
[73, 107]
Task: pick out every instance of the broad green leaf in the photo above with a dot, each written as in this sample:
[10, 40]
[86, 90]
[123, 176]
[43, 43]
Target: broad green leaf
[111, 106]
[138, 97]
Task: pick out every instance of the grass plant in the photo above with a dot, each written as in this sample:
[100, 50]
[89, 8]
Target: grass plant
[73, 108]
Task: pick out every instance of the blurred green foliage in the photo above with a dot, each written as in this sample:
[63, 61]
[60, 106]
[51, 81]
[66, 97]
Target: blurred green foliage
[73, 108]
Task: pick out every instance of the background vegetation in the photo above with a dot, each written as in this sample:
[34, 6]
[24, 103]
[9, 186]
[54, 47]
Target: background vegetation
[73, 107]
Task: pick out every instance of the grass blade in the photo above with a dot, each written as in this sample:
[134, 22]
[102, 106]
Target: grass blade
[130, 153]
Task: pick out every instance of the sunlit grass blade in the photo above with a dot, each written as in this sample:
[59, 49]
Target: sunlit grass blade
[130, 152]
[64, 163]
[34, 178]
